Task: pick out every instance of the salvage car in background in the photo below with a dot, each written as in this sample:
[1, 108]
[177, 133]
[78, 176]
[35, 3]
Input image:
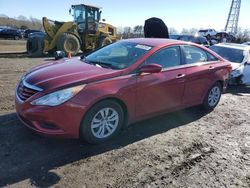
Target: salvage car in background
[29, 31]
[190, 38]
[246, 43]
[9, 33]
[207, 32]
[239, 56]
[124, 82]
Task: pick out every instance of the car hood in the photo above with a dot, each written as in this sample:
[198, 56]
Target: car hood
[65, 72]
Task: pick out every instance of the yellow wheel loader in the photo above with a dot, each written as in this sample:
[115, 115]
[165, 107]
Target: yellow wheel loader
[85, 33]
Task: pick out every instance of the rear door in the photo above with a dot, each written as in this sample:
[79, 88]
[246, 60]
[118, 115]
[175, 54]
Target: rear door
[161, 91]
[201, 68]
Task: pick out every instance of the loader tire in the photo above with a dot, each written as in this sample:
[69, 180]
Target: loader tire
[35, 46]
[68, 43]
[103, 41]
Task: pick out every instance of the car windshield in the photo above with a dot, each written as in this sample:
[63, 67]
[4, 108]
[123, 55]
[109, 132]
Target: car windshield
[118, 55]
[230, 54]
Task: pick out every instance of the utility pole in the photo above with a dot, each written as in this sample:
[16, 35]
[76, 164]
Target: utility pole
[233, 17]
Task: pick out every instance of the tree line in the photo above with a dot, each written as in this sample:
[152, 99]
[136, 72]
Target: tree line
[22, 22]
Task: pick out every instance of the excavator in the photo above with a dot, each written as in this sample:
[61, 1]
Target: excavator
[85, 33]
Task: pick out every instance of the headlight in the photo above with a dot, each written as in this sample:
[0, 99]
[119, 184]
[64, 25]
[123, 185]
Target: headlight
[236, 72]
[58, 97]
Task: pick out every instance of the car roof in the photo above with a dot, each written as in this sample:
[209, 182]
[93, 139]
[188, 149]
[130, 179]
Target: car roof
[234, 45]
[155, 41]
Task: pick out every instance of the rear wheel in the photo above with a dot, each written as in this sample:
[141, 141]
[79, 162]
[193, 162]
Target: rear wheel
[68, 43]
[102, 122]
[212, 97]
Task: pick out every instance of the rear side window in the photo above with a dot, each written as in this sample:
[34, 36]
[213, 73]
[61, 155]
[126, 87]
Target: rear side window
[167, 57]
[194, 54]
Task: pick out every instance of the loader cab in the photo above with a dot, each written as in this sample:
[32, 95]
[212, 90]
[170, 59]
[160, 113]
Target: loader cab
[87, 18]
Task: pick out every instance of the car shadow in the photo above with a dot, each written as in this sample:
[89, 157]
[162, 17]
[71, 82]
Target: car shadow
[26, 155]
[238, 89]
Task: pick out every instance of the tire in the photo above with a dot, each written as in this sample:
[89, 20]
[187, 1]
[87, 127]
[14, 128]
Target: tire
[16, 38]
[35, 46]
[103, 41]
[102, 128]
[68, 43]
[212, 97]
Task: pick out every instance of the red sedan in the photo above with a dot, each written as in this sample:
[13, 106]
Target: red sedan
[124, 82]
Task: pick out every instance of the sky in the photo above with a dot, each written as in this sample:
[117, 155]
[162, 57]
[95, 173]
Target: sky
[175, 13]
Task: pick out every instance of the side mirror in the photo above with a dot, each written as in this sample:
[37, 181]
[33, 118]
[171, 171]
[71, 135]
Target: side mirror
[150, 68]
[59, 55]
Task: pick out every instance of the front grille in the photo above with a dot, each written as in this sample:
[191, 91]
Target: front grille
[25, 91]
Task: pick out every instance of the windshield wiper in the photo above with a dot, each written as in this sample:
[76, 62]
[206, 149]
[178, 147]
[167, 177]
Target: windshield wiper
[102, 64]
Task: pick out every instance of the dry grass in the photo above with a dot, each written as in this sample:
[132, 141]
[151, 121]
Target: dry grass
[12, 46]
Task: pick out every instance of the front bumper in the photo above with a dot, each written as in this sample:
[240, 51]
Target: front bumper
[61, 121]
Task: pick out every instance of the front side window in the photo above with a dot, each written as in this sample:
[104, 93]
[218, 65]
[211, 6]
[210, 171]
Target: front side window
[167, 57]
[194, 54]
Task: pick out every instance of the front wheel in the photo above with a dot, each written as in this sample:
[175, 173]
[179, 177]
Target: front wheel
[68, 43]
[212, 97]
[102, 122]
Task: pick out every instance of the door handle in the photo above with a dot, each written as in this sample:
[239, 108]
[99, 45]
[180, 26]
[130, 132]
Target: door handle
[211, 68]
[180, 76]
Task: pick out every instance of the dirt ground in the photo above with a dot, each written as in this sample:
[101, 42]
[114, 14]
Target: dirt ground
[188, 148]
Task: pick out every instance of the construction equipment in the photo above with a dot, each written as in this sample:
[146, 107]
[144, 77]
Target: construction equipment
[233, 17]
[85, 33]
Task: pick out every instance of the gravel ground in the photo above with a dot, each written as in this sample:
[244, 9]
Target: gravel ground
[188, 148]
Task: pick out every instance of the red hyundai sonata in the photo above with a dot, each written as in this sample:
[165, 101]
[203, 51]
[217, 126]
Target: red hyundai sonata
[127, 81]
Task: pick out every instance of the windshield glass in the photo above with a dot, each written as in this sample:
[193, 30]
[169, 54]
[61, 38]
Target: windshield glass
[79, 14]
[118, 55]
[230, 54]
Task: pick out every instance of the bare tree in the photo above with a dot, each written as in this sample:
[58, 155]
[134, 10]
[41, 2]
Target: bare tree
[243, 35]
[127, 32]
[172, 30]
[193, 31]
[138, 31]
[184, 31]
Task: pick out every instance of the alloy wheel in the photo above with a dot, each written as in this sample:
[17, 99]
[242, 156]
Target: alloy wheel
[104, 122]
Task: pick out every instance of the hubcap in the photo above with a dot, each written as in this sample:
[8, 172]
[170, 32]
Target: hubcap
[104, 122]
[214, 96]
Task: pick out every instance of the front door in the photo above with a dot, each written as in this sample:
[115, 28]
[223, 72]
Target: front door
[161, 91]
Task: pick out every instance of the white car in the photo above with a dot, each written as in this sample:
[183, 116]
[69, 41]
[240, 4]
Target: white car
[239, 57]
[246, 43]
[207, 32]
